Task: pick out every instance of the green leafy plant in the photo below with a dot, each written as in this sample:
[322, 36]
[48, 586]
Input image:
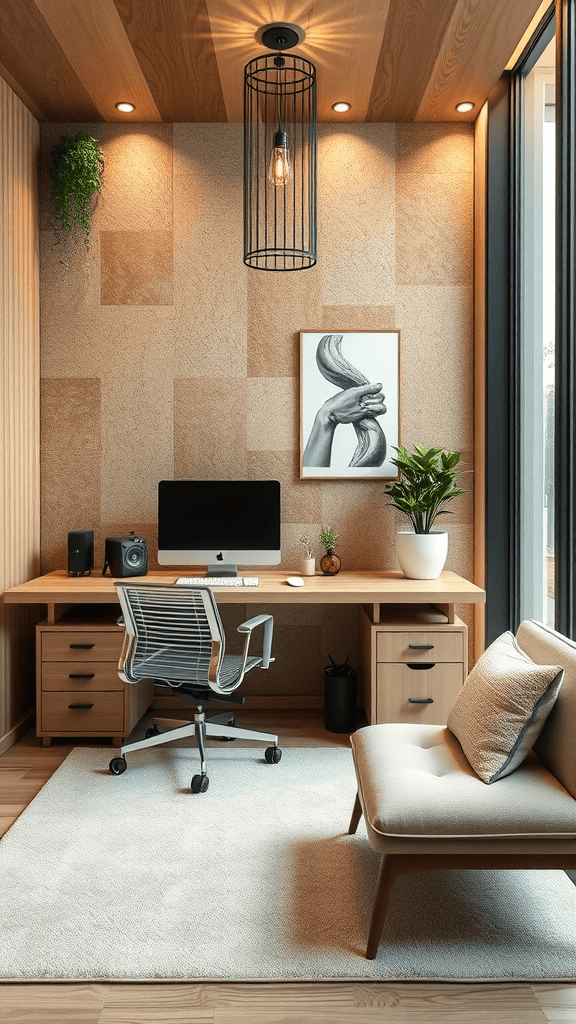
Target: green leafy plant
[76, 166]
[329, 538]
[307, 545]
[427, 482]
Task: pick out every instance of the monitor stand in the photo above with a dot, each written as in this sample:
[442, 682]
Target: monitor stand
[222, 569]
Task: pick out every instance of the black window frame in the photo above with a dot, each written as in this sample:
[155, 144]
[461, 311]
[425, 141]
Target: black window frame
[565, 385]
[503, 330]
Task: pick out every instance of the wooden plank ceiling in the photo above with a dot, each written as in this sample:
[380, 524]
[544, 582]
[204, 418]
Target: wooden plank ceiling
[183, 60]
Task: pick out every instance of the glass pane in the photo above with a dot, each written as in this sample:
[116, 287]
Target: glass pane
[537, 348]
[548, 311]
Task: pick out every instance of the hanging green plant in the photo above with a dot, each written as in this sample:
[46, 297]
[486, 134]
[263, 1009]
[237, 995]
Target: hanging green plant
[76, 166]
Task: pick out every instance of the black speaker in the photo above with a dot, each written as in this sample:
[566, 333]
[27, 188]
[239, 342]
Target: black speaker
[126, 556]
[80, 552]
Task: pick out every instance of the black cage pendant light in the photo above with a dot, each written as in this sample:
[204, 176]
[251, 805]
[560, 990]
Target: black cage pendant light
[280, 155]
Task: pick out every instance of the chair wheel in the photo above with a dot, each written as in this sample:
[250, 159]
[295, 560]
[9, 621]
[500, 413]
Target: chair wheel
[152, 731]
[272, 755]
[199, 783]
[118, 765]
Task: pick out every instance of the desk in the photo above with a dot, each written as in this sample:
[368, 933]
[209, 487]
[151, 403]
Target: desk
[388, 604]
[59, 591]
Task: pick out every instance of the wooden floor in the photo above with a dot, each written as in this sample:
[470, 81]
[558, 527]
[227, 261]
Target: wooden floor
[23, 771]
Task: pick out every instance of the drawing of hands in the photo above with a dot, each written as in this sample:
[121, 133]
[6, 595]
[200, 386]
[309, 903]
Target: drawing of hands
[353, 404]
[359, 403]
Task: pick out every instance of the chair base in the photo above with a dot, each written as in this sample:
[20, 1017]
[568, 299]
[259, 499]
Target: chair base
[219, 726]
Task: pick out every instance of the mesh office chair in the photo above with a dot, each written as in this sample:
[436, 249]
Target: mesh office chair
[174, 636]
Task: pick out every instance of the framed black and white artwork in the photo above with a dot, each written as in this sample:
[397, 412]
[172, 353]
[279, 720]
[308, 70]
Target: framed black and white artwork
[349, 404]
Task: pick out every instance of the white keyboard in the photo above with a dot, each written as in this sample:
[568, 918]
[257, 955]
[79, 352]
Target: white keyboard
[218, 581]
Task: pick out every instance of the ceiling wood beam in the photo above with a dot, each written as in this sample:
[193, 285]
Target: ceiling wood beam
[414, 34]
[343, 43]
[174, 47]
[538, 17]
[34, 59]
[480, 39]
[234, 25]
[346, 48]
[22, 94]
[183, 60]
[96, 46]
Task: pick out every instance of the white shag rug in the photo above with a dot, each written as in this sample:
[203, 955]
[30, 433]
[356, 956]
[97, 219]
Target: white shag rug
[134, 877]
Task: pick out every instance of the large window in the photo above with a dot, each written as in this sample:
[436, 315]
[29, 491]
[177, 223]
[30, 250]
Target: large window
[531, 334]
[535, 334]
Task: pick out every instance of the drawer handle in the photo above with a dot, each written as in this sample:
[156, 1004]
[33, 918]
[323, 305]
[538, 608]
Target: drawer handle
[420, 700]
[421, 647]
[80, 707]
[81, 647]
[420, 666]
[81, 675]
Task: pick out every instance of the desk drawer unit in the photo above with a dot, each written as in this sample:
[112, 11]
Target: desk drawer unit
[81, 675]
[413, 665]
[81, 646]
[84, 713]
[419, 647]
[79, 691]
[416, 692]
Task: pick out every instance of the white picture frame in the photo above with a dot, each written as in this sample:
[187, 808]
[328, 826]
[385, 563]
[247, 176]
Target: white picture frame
[343, 373]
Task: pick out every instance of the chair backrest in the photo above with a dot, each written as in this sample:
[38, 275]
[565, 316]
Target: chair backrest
[556, 745]
[173, 633]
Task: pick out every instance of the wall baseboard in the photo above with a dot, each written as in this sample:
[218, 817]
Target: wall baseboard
[17, 731]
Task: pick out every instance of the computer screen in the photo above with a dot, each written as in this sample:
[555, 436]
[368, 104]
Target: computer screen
[221, 523]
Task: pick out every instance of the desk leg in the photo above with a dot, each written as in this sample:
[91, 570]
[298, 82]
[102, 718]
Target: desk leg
[46, 741]
[56, 611]
[375, 614]
[449, 610]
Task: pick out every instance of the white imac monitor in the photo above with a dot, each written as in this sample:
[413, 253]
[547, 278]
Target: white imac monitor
[219, 523]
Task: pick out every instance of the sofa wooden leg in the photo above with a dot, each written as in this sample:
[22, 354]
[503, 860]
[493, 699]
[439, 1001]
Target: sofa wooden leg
[388, 875]
[356, 815]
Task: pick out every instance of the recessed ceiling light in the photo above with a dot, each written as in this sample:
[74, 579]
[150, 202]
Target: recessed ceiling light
[341, 107]
[126, 108]
[463, 108]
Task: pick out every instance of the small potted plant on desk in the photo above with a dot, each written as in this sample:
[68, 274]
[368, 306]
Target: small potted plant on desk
[307, 561]
[427, 482]
[330, 562]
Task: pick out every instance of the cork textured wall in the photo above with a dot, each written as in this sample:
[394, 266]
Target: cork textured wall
[164, 356]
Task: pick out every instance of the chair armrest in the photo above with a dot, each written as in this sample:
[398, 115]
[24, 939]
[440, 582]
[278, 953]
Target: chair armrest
[246, 627]
[125, 654]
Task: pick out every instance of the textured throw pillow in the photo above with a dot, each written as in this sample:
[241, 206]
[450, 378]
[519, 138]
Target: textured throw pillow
[501, 709]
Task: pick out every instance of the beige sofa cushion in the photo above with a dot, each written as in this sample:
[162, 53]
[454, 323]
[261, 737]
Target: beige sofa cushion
[415, 782]
[555, 745]
[502, 707]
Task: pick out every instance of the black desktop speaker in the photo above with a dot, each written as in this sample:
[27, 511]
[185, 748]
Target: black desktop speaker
[80, 552]
[126, 556]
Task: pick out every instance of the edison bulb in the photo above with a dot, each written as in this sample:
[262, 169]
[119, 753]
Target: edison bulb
[280, 169]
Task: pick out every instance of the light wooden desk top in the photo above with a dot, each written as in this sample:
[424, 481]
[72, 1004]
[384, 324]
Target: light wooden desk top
[348, 587]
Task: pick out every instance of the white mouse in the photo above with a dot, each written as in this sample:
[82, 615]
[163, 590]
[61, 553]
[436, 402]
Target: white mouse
[295, 581]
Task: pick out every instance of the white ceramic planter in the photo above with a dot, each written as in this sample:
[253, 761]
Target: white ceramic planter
[308, 566]
[422, 556]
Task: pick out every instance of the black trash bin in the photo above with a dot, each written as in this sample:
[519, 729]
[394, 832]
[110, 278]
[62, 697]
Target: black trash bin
[339, 697]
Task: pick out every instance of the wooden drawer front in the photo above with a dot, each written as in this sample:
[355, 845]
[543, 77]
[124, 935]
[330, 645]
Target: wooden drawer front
[396, 684]
[81, 646]
[84, 675]
[106, 714]
[420, 646]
